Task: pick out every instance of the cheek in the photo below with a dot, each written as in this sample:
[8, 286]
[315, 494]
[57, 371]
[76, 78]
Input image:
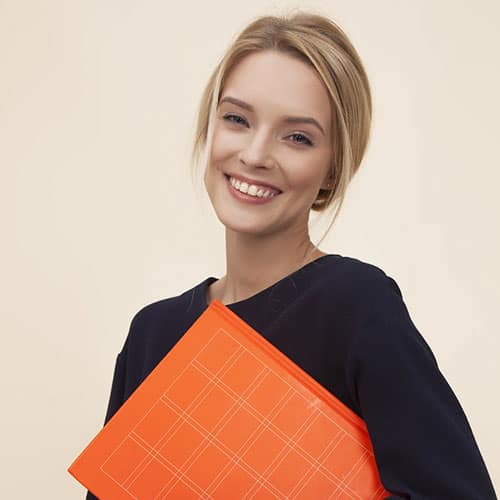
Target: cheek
[306, 172]
[224, 145]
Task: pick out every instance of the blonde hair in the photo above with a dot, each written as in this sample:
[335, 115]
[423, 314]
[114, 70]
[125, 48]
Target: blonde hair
[320, 43]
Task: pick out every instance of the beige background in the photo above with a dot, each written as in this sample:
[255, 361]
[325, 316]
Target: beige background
[99, 217]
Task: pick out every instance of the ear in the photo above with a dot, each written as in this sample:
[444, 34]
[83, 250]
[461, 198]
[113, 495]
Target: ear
[327, 183]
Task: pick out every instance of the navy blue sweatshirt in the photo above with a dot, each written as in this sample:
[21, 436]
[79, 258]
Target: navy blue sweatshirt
[345, 323]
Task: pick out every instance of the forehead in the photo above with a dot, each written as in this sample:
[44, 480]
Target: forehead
[274, 82]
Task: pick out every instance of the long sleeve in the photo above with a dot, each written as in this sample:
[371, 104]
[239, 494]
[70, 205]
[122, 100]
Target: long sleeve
[423, 444]
[116, 397]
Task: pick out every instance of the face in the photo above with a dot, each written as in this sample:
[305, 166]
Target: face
[272, 130]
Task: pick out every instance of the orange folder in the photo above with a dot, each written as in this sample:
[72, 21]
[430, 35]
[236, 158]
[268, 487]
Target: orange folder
[227, 415]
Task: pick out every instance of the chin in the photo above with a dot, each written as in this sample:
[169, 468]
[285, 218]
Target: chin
[242, 222]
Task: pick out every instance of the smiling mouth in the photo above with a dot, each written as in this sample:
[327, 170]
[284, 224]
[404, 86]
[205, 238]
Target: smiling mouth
[253, 197]
[263, 188]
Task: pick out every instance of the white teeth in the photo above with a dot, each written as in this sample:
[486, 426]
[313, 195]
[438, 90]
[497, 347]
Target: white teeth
[251, 189]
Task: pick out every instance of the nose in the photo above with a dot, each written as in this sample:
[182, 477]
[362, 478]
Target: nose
[257, 151]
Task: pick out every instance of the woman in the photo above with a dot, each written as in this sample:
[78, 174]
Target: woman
[283, 123]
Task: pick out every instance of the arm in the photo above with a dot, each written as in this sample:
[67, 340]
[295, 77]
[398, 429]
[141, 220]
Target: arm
[116, 398]
[423, 444]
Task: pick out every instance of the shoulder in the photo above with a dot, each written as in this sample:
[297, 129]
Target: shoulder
[356, 282]
[378, 317]
[165, 314]
[160, 309]
[372, 306]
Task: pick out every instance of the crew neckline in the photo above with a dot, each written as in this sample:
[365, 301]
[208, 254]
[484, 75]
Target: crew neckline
[212, 279]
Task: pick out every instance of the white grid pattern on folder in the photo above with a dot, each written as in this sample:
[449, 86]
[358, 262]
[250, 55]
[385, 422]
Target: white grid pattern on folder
[212, 437]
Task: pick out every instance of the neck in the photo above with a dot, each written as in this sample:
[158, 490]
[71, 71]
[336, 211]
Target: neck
[255, 263]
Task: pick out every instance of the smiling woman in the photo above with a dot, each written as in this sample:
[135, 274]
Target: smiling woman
[309, 75]
[283, 125]
[274, 133]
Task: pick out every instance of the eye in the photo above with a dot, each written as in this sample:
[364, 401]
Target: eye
[302, 137]
[299, 138]
[229, 118]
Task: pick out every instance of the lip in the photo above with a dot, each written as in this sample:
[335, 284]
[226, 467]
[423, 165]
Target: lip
[245, 198]
[253, 181]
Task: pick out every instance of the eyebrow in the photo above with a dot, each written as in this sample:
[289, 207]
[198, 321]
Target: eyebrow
[288, 119]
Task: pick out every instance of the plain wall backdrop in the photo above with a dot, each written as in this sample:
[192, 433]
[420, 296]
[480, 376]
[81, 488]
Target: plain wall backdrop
[99, 216]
